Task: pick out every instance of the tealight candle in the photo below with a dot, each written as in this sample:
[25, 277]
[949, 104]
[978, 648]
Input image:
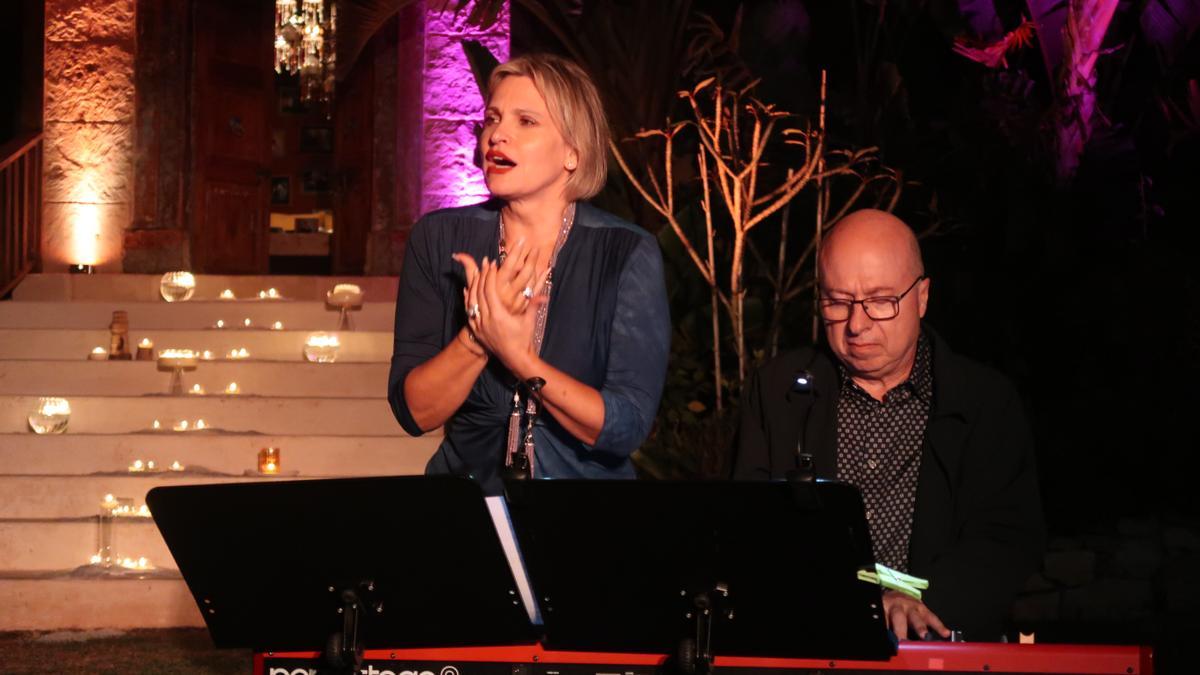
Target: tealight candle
[207, 355]
[150, 465]
[232, 388]
[227, 294]
[175, 466]
[109, 502]
[345, 293]
[182, 425]
[145, 350]
[200, 425]
[246, 322]
[156, 425]
[322, 347]
[197, 389]
[268, 461]
[278, 325]
[98, 354]
[238, 353]
[220, 323]
[138, 465]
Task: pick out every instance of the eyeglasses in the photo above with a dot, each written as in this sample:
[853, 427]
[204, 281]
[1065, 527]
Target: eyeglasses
[878, 308]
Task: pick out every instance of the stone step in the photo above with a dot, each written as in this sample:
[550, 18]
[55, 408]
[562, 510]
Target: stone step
[44, 545]
[194, 315]
[221, 414]
[145, 287]
[80, 496]
[137, 378]
[282, 345]
[38, 603]
[81, 454]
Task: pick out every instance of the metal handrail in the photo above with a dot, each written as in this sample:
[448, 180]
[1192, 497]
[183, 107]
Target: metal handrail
[20, 209]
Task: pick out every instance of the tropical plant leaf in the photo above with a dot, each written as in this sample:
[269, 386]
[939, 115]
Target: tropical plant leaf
[482, 63]
[995, 55]
[1168, 24]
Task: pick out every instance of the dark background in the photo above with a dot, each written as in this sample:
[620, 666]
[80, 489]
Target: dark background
[1084, 292]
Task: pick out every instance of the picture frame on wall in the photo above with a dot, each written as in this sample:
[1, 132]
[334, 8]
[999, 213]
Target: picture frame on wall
[278, 143]
[316, 140]
[290, 101]
[281, 190]
[314, 181]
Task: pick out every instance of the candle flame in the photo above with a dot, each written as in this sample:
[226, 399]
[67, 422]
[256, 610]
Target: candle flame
[54, 406]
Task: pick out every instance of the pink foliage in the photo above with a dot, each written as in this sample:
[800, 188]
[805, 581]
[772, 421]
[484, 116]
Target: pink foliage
[1083, 35]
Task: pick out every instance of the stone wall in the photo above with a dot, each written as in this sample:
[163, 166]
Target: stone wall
[89, 115]
[452, 106]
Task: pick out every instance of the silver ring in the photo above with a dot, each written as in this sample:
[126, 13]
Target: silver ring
[528, 293]
[473, 311]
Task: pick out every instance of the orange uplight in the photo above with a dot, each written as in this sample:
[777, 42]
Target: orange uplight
[85, 235]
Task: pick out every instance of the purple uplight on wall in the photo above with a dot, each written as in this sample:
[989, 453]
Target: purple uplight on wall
[451, 106]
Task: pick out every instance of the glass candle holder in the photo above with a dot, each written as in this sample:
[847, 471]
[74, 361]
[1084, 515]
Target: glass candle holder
[177, 360]
[177, 286]
[322, 347]
[344, 297]
[268, 461]
[50, 416]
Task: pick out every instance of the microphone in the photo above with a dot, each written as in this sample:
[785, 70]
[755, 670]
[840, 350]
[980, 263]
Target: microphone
[806, 469]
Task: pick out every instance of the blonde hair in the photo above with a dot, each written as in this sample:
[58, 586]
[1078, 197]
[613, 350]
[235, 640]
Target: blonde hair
[574, 105]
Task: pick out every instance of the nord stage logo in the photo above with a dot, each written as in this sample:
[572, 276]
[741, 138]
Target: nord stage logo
[369, 670]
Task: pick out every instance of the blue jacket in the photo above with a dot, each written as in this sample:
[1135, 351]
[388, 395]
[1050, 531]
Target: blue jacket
[608, 327]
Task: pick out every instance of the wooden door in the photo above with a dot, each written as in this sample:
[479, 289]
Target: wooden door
[233, 89]
[353, 165]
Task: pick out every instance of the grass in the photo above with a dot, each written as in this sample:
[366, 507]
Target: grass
[182, 650]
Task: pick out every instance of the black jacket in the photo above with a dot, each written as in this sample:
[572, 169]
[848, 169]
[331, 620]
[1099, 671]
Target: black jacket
[977, 523]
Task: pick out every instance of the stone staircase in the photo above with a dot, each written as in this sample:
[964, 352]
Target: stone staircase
[328, 419]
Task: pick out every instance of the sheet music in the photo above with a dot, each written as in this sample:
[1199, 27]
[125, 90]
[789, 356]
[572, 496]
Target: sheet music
[508, 540]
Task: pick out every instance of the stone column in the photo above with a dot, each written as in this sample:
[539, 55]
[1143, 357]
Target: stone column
[452, 106]
[437, 107]
[89, 115]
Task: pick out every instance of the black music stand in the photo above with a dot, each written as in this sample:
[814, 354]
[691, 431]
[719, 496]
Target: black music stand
[625, 566]
[282, 565]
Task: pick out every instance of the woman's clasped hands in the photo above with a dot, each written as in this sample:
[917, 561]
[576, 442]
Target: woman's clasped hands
[501, 301]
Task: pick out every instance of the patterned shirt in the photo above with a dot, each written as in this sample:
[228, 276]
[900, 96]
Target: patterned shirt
[879, 452]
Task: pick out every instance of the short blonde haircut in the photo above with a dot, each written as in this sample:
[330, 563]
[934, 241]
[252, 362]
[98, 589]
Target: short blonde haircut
[574, 105]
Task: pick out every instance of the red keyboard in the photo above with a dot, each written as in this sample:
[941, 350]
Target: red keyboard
[994, 659]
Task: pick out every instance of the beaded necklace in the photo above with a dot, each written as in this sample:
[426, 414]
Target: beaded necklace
[519, 451]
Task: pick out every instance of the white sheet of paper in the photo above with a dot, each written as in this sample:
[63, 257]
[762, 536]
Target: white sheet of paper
[508, 540]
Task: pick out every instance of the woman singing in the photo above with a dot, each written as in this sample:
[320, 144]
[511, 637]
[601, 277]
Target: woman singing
[532, 284]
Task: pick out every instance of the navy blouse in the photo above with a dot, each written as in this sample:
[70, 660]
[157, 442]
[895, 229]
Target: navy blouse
[608, 327]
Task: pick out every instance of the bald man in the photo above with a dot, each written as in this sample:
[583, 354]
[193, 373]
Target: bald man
[938, 444]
